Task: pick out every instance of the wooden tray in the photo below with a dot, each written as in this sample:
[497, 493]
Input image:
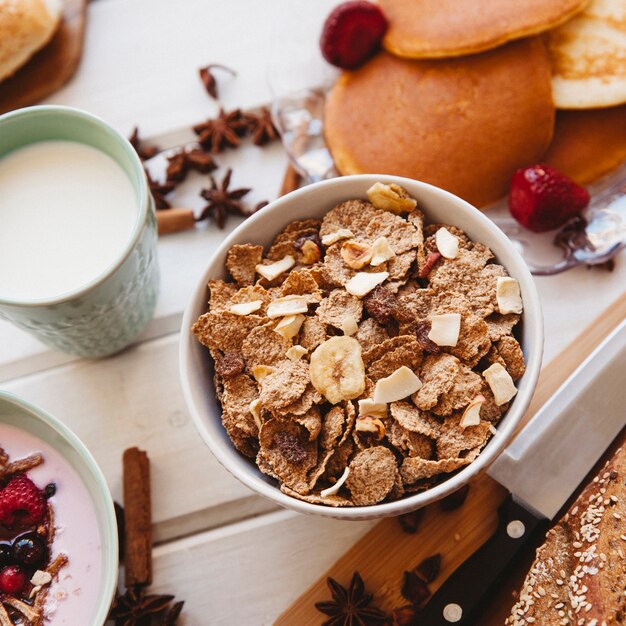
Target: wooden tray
[52, 66]
[386, 551]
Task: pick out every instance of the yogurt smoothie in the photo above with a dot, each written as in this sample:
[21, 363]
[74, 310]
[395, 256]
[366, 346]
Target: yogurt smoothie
[73, 594]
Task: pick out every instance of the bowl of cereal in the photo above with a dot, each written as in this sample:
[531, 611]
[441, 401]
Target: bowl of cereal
[361, 347]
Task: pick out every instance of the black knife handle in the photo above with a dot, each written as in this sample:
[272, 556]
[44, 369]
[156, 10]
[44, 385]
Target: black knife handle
[461, 594]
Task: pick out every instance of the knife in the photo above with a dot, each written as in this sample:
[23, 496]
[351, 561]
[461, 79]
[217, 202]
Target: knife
[541, 469]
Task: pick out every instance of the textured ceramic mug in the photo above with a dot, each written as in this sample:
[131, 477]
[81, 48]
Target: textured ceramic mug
[108, 313]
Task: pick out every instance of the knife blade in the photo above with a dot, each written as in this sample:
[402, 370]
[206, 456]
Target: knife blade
[541, 469]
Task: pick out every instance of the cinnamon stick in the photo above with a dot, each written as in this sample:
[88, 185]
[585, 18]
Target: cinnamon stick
[291, 180]
[174, 220]
[138, 517]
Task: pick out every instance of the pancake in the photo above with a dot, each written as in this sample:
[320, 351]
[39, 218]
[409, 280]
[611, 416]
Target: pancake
[445, 28]
[588, 56]
[462, 124]
[588, 144]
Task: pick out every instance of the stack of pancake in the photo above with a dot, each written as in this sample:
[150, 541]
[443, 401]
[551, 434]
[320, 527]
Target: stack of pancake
[465, 92]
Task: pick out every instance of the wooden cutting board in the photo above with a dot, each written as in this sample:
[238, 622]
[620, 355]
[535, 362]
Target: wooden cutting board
[52, 66]
[386, 551]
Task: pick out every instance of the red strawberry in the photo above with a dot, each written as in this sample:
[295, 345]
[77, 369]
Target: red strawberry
[12, 580]
[542, 198]
[352, 34]
[22, 503]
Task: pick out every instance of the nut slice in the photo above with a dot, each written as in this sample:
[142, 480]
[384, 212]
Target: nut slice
[371, 425]
[501, 383]
[402, 383]
[471, 415]
[447, 243]
[295, 353]
[508, 295]
[287, 306]
[363, 282]
[368, 407]
[381, 252]
[391, 197]
[273, 270]
[289, 326]
[245, 308]
[337, 370]
[349, 325]
[338, 235]
[445, 329]
[331, 491]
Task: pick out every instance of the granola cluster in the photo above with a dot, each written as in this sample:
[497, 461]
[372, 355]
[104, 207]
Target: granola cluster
[364, 356]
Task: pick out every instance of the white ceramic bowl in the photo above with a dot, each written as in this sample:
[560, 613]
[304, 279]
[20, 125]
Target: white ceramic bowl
[21, 414]
[313, 202]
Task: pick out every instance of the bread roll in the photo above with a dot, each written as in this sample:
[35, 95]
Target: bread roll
[579, 575]
[25, 27]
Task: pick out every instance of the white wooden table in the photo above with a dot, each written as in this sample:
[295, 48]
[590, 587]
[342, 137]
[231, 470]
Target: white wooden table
[231, 555]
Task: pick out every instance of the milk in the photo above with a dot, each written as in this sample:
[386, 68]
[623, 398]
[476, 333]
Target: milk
[67, 212]
[73, 597]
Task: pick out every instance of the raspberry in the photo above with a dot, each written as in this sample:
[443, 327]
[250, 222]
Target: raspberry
[22, 503]
[352, 33]
[542, 198]
[12, 580]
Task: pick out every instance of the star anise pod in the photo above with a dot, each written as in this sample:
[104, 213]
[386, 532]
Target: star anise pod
[171, 617]
[350, 607]
[144, 152]
[222, 131]
[159, 191]
[223, 201]
[208, 80]
[183, 161]
[135, 608]
[262, 127]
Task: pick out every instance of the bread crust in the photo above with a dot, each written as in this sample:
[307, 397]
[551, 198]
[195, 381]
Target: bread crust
[25, 27]
[578, 577]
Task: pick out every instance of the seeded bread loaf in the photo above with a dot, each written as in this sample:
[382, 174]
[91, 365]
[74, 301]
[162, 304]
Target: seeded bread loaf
[579, 575]
[25, 27]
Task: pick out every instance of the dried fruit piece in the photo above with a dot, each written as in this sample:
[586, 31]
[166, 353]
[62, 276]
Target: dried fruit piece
[287, 306]
[508, 295]
[349, 325]
[255, 410]
[337, 369]
[471, 415]
[356, 254]
[541, 198]
[245, 308]
[391, 198]
[445, 328]
[363, 282]
[295, 353]
[274, 270]
[500, 382]
[431, 259]
[447, 243]
[230, 365]
[381, 252]
[352, 33]
[402, 383]
[372, 409]
[338, 235]
[289, 326]
[261, 371]
[310, 253]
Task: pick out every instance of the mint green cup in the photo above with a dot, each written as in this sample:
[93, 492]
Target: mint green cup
[108, 313]
[26, 417]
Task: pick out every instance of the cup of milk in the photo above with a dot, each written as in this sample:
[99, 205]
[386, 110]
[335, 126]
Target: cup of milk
[78, 262]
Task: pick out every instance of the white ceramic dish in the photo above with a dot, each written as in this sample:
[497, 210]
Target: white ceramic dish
[313, 202]
[37, 423]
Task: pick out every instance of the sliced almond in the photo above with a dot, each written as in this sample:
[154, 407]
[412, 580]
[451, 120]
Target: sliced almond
[255, 409]
[261, 371]
[447, 243]
[402, 383]
[381, 252]
[444, 329]
[508, 295]
[349, 325]
[295, 353]
[287, 306]
[363, 282]
[331, 491]
[273, 270]
[41, 578]
[245, 308]
[289, 326]
[337, 370]
[356, 254]
[371, 425]
[500, 382]
[391, 197]
[370, 408]
[338, 235]
[471, 415]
